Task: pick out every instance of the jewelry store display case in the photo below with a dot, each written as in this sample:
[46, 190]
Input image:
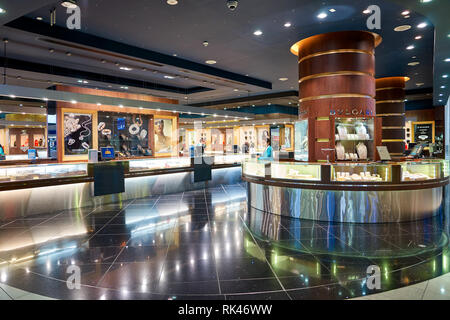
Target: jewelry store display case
[354, 138]
[25, 176]
[358, 192]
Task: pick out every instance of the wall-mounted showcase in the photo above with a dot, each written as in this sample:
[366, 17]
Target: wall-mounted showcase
[165, 130]
[128, 134]
[78, 134]
[287, 138]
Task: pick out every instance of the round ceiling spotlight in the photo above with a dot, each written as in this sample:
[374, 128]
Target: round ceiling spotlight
[410, 47]
[422, 25]
[322, 15]
[210, 61]
[71, 4]
[406, 13]
[418, 37]
[258, 33]
[413, 63]
[287, 25]
[402, 28]
[283, 79]
[172, 2]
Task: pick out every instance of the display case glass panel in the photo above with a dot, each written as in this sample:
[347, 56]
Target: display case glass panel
[43, 171]
[301, 140]
[158, 164]
[354, 139]
[230, 158]
[361, 172]
[422, 171]
[295, 171]
[253, 167]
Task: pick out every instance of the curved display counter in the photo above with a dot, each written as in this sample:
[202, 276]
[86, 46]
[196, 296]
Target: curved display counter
[347, 192]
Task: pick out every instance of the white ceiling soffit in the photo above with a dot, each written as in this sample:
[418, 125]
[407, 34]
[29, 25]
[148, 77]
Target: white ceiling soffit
[63, 96]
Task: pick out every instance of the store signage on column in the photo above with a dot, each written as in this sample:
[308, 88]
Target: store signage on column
[353, 112]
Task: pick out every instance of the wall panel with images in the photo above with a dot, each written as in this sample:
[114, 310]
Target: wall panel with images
[127, 133]
[247, 138]
[166, 136]
[262, 132]
[287, 139]
[78, 135]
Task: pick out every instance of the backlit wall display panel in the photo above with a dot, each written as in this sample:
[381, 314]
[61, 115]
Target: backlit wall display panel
[77, 133]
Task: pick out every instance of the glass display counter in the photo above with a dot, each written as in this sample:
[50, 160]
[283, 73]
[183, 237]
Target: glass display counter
[295, 171]
[350, 172]
[42, 171]
[253, 167]
[347, 192]
[230, 158]
[159, 164]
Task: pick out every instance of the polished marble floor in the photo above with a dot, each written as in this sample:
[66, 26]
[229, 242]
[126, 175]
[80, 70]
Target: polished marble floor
[207, 244]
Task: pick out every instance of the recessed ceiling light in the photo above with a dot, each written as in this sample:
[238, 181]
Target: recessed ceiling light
[287, 24]
[12, 96]
[422, 25]
[402, 28]
[73, 101]
[420, 84]
[367, 11]
[39, 18]
[169, 77]
[418, 37]
[332, 10]
[125, 88]
[445, 76]
[125, 68]
[440, 100]
[172, 2]
[71, 4]
[441, 95]
[283, 79]
[410, 47]
[322, 15]
[235, 90]
[258, 33]
[415, 63]
[442, 87]
[405, 13]
[447, 60]
[425, 1]
[210, 61]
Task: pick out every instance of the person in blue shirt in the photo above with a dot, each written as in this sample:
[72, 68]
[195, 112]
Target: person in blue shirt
[268, 153]
[2, 150]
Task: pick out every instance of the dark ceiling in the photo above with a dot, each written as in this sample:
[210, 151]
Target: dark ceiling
[146, 35]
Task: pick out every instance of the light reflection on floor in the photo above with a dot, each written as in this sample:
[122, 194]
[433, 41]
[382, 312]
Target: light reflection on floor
[206, 244]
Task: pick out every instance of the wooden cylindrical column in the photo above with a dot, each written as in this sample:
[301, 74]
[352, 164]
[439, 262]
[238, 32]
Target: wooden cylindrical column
[336, 77]
[390, 107]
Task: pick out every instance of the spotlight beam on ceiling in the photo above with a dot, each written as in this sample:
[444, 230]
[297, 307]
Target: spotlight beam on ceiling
[69, 97]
